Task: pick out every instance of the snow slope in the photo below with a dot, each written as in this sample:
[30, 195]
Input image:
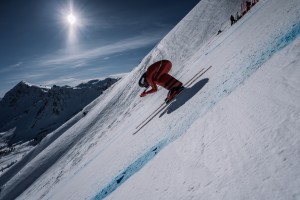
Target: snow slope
[234, 134]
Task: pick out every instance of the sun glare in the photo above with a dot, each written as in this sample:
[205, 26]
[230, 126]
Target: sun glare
[71, 19]
[72, 22]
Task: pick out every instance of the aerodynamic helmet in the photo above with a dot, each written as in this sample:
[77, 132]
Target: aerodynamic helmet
[143, 81]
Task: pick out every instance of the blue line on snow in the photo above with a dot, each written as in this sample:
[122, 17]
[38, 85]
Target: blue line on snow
[130, 170]
[258, 61]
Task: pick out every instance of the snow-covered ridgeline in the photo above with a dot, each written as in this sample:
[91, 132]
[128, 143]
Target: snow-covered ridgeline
[34, 111]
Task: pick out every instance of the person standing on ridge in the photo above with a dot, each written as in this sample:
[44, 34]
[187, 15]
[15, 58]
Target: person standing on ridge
[157, 74]
[232, 20]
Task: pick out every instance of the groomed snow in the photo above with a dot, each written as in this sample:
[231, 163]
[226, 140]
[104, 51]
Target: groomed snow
[233, 134]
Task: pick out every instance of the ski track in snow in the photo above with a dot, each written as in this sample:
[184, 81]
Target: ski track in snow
[255, 61]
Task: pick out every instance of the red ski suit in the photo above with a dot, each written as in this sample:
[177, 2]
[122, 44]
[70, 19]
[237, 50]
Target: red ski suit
[157, 74]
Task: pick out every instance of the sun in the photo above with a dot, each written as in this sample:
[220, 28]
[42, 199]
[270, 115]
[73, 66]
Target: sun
[71, 19]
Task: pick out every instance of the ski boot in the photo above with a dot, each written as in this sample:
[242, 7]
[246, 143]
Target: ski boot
[173, 93]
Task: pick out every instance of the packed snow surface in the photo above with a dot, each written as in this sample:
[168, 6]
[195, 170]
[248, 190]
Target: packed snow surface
[232, 134]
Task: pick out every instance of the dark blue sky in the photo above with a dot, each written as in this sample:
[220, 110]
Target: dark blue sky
[39, 46]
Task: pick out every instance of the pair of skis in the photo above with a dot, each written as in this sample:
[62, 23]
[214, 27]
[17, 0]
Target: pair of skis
[164, 105]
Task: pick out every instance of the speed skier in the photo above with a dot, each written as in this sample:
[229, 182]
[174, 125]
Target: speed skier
[157, 74]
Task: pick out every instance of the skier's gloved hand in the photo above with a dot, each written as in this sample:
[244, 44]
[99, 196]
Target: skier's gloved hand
[143, 94]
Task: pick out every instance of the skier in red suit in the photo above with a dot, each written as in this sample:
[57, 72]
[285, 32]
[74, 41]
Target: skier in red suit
[157, 74]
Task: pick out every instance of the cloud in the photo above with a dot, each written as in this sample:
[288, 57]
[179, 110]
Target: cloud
[16, 65]
[71, 81]
[81, 58]
[12, 67]
[26, 76]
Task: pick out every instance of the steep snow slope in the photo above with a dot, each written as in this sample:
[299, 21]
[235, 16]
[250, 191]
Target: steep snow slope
[246, 147]
[231, 135]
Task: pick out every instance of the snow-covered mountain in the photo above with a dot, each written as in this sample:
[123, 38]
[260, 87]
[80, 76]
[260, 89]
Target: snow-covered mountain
[34, 111]
[232, 134]
[29, 112]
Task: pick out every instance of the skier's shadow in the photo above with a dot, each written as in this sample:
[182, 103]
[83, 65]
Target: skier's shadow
[185, 96]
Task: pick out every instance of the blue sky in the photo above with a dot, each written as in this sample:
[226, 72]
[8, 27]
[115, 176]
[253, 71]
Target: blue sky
[38, 45]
